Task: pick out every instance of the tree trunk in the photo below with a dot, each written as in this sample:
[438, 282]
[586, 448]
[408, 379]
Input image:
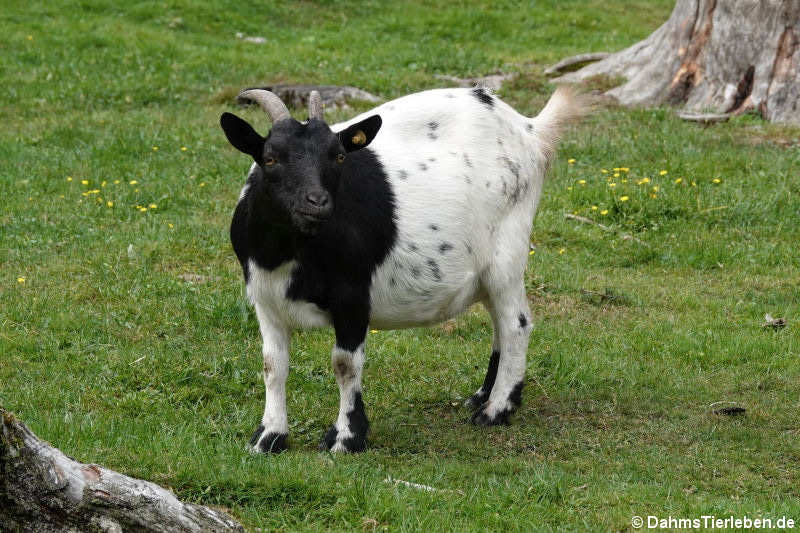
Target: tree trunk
[725, 56]
[42, 490]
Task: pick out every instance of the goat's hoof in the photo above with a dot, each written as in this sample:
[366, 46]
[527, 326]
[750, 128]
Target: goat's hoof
[482, 418]
[264, 441]
[337, 443]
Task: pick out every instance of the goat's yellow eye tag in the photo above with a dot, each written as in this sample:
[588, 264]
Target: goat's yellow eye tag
[359, 138]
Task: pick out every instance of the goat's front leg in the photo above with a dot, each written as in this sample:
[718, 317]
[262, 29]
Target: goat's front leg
[349, 432]
[271, 435]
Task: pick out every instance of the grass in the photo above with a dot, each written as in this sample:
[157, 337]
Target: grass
[125, 339]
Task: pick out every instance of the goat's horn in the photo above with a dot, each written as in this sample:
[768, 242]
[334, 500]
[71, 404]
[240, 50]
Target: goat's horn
[268, 101]
[315, 105]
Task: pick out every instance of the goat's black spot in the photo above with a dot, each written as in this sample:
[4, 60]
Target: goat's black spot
[529, 127]
[469, 249]
[516, 394]
[432, 159]
[422, 166]
[522, 320]
[491, 373]
[415, 271]
[433, 125]
[488, 184]
[449, 95]
[444, 247]
[434, 227]
[483, 97]
[468, 179]
[392, 282]
[412, 247]
[434, 268]
[402, 174]
[499, 141]
[467, 161]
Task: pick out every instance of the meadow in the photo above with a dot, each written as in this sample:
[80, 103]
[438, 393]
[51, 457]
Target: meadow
[126, 339]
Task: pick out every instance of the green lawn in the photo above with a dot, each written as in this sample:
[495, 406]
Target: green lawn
[125, 338]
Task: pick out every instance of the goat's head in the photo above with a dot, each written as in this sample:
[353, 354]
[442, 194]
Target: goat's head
[302, 162]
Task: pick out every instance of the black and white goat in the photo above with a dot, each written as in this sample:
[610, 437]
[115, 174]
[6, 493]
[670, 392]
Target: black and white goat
[403, 216]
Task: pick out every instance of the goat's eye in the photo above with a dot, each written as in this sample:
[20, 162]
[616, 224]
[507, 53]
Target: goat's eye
[269, 161]
[340, 158]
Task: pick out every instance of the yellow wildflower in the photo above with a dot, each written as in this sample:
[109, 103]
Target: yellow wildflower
[612, 184]
[153, 206]
[69, 178]
[116, 182]
[662, 173]
[84, 182]
[569, 188]
[604, 171]
[624, 181]
[653, 195]
[616, 174]
[202, 184]
[155, 148]
[110, 203]
[571, 161]
[678, 180]
[103, 184]
[582, 182]
[183, 148]
[133, 182]
[717, 180]
[561, 251]
[594, 208]
[532, 252]
[623, 198]
[694, 184]
[170, 225]
[604, 212]
[656, 188]
[373, 331]
[643, 181]
[21, 279]
[142, 209]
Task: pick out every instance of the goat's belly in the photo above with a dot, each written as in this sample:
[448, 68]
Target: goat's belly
[399, 301]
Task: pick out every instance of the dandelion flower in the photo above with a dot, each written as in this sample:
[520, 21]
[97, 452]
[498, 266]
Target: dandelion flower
[656, 188]
[717, 180]
[623, 198]
[616, 174]
[142, 209]
[183, 148]
[604, 171]
[594, 208]
[612, 184]
[116, 182]
[84, 182]
[561, 251]
[571, 161]
[133, 182]
[653, 195]
[604, 212]
[662, 173]
[532, 252]
[152, 206]
[202, 184]
[373, 331]
[170, 225]
[69, 178]
[21, 279]
[155, 148]
[29, 37]
[110, 203]
[678, 180]
[624, 181]
[694, 183]
[582, 182]
[569, 188]
[103, 184]
[643, 181]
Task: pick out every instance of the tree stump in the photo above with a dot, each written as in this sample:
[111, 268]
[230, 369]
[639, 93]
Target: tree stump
[725, 56]
[42, 490]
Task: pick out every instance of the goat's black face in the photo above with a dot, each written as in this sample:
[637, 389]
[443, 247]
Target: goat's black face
[302, 163]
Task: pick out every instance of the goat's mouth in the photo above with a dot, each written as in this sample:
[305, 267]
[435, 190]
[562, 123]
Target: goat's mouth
[308, 221]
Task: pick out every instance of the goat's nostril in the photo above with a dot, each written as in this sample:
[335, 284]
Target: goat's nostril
[317, 199]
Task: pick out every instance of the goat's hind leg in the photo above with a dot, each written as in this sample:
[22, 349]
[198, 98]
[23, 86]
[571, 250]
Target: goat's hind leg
[505, 376]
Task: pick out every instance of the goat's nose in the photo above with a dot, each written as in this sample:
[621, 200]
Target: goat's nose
[318, 199]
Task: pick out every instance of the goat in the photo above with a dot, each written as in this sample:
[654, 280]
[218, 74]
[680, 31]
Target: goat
[403, 216]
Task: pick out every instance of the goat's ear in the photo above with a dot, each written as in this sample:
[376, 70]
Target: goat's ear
[242, 135]
[360, 134]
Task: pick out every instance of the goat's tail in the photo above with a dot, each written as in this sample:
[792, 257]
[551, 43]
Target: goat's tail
[564, 107]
